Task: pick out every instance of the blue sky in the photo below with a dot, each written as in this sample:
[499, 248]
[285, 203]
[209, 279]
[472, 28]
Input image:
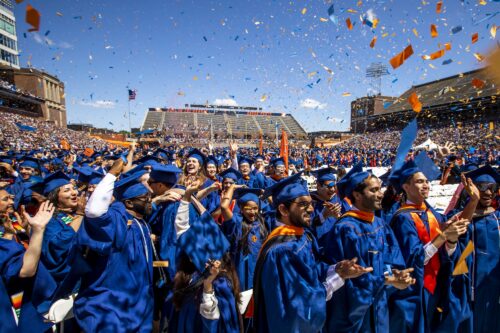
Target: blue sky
[271, 54]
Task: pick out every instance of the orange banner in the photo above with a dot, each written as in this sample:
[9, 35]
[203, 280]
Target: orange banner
[284, 149]
[261, 144]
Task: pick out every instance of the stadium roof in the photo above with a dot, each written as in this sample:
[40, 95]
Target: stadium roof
[453, 89]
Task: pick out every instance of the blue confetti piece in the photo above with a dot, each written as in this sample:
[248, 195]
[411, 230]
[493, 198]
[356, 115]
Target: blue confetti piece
[318, 81]
[447, 62]
[456, 29]
[47, 32]
[205, 39]
[394, 81]
[236, 38]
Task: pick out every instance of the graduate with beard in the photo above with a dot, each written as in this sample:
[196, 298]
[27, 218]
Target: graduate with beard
[291, 285]
[117, 294]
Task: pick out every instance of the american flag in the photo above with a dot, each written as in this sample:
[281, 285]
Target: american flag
[131, 94]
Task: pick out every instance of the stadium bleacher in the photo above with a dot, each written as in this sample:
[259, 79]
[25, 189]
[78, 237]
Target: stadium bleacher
[235, 122]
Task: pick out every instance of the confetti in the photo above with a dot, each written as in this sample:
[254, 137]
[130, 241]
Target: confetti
[447, 46]
[439, 7]
[372, 43]
[399, 59]
[32, 18]
[205, 39]
[493, 31]
[304, 11]
[415, 32]
[434, 32]
[59, 14]
[416, 105]
[263, 98]
[332, 16]
[475, 37]
[348, 23]
[479, 57]
[346, 94]
[456, 29]
[447, 62]
[322, 19]
[477, 83]
[195, 78]
[435, 55]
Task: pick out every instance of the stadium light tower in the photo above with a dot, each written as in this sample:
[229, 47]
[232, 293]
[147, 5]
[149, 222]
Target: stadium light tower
[375, 72]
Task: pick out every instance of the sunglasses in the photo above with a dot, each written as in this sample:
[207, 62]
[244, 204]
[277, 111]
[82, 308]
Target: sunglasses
[483, 187]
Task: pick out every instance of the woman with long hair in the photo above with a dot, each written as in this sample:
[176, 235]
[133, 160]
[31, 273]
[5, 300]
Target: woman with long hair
[25, 285]
[246, 230]
[60, 233]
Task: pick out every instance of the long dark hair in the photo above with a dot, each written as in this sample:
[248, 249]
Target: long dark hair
[183, 286]
[246, 227]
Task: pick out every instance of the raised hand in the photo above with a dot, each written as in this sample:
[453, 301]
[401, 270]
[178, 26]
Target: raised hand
[471, 189]
[42, 217]
[332, 210]
[349, 269]
[445, 150]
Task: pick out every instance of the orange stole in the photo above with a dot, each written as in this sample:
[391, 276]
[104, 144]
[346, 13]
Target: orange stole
[431, 270]
[220, 218]
[360, 215]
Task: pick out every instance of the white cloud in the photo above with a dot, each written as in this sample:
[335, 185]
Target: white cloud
[225, 101]
[44, 40]
[310, 103]
[99, 104]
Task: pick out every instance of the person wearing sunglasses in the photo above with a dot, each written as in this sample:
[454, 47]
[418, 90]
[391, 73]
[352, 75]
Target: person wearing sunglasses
[483, 277]
[327, 207]
[291, 285]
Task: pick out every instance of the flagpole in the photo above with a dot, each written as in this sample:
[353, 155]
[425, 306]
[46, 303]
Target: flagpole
[129, 121]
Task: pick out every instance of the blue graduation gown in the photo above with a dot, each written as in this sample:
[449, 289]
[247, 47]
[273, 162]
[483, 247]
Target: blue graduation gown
[293, 296]
[361, 305]
[37, 291]
[58, 241]
[117, 295]
[484, 271]
[415, 309]
[320, 229]
[212, 201]
[188, 319]
[245, 263]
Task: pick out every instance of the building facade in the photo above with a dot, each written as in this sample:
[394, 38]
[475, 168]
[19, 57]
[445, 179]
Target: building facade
[9, 55]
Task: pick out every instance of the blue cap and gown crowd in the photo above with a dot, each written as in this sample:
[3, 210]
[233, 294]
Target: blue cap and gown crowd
[174, 240]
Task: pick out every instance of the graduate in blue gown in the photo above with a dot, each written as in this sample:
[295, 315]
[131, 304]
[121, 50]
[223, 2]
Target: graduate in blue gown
[428, 244]
[327, 204]
[25, 285]
[361, 305]
[206, 287]
[246, 230]
[291, 285]
[60, 233]
[117, 294]
[483, 279]
[251, 180]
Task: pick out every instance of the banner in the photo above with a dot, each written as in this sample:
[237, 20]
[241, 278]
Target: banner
[284, 148]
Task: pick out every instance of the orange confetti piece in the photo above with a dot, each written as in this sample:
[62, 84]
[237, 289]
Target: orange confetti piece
[434, 32]
[435, 55]
[322, 19]
[479, 57]
[32, 18]
[346, 94]
[348, 23]
[372, 43]
[475, 37]
[263, 98]
[493, 31]
[439, 7]
[415, 103]
[399, 59]
[447, 46]
[477, 83]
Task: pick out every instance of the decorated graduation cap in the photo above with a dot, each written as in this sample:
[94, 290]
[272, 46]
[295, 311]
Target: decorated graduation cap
[130, 187]
[485, 174]
[197, 154]
[231, 173]
[247, 194]
[203, 241]
[30, 162]
[287, 189]
[325, 174]
[88, 175]
[167, 174]
[348, 183]
[245, 159]
[54, 181]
